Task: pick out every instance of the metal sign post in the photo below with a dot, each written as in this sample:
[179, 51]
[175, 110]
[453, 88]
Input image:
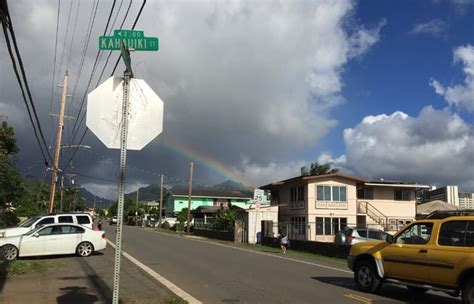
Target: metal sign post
[142, 117]
[123, 160]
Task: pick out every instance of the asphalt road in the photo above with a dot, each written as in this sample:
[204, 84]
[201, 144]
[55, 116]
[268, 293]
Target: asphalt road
[216, 272]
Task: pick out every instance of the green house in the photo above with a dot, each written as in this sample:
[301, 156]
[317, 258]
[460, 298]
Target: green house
[177, 199]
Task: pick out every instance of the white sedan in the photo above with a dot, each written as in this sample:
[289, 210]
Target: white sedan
[51, 240]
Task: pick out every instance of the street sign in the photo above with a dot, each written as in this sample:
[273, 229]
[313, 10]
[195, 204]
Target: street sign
[104, 113]
[134, 40]
[259, 195]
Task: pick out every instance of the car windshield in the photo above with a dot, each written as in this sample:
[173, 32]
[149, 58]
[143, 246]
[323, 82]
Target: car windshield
[29, 222]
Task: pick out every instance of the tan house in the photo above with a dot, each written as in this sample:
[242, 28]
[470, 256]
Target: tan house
[317, 207]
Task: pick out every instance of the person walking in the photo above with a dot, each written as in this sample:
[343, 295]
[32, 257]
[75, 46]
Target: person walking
[283, 240]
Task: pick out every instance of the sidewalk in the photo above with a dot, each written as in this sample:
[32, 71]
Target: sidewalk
[83, 281]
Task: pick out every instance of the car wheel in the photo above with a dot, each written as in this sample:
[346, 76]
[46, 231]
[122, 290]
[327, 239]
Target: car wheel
[366, 277]
[84, 249]
[416, 290]
[9, 252]
[468, 292]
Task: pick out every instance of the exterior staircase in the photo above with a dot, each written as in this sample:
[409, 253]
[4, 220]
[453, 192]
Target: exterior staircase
[376, 215]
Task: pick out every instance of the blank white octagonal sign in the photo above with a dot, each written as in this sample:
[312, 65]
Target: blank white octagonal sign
[104, 113]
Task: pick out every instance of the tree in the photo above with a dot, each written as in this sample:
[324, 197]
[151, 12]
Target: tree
[128, 207]
[225, 218]
[181, 218]
[319, 169]
[11, 183]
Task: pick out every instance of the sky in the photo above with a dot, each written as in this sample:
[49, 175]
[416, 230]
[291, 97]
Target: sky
[253, 91]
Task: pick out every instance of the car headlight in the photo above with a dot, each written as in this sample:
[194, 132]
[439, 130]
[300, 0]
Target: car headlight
[2, 234]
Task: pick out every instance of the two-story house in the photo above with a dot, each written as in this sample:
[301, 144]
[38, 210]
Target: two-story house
[317, 207]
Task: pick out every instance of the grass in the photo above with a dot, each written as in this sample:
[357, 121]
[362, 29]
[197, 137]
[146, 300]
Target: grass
[263, 248]
[21, 267]
[293, 253]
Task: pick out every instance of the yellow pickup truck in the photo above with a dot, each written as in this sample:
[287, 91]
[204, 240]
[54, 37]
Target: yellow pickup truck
[436, 253]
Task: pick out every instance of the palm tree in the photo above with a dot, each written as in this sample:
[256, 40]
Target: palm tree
[319, 169]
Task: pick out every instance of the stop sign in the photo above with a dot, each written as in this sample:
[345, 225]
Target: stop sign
[104, 113]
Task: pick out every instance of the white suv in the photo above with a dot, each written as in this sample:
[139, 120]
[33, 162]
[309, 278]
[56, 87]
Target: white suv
[38, 221]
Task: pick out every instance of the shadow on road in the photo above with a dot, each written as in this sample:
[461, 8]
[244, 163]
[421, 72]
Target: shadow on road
[100, 285]
[76, 294]
[3, 274]
[392, 292]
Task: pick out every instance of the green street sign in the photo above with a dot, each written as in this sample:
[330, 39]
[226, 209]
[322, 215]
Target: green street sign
[135, 40]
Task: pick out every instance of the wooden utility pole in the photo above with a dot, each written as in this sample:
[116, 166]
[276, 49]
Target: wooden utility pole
[58, 144]
[61, 195]
[161, 200]
[189, 196]
[136, 208]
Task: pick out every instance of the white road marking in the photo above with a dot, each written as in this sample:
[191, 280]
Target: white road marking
[175, 289]
[262, 253]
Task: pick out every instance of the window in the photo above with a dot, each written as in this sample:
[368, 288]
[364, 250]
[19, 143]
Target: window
[297, 194]
[416, 234]
[319, 226]
[65, 219]
[365, 192]
[45, 221]
[331, 193]
[402, 195]
[45, 231]
[330, 226]
[298, 225]
[83, 219]
[457, 233]
[66, 229]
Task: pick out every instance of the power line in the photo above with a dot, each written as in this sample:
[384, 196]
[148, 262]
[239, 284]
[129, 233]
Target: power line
[73, 33]
[8, 27]
[90, 26]
[65, 38]
[110, 52]
[74, 132]
[54, 68]
[133, 27]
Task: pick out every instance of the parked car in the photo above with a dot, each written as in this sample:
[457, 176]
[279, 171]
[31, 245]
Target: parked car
[113, 220]
[52, 240]
[435, 253]
[351, 236]
[83, 219]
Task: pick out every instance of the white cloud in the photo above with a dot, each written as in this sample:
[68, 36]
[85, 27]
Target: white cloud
[436, 147]
[259, 174]
[460, 95]
[435, 27]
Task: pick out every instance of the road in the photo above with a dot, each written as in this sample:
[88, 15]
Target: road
[216, 272]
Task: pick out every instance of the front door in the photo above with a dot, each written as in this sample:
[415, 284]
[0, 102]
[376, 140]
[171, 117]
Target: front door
[408, 257]
[38, 243]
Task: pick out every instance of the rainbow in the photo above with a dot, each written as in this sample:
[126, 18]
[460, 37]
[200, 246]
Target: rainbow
[185, 150]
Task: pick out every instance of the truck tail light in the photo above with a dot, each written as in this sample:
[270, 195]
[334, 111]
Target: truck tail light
[103, 235]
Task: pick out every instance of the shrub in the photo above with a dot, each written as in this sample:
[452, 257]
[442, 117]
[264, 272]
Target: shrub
[8, 219]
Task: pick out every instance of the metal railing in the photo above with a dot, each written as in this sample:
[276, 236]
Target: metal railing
[375, 214]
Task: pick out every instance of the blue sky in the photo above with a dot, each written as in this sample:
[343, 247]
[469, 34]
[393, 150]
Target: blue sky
[395, 73]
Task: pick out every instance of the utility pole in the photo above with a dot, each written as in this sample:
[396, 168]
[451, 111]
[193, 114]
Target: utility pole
[136, 208]
[61, 196]
[189, 196]
[58, 144]
[161, 201]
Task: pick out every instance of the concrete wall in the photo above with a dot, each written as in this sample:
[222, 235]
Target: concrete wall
[253, 221]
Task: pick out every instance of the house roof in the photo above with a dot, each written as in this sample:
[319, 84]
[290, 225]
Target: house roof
[313, 177]
[427, 208]
[357, 179]
[209, 193]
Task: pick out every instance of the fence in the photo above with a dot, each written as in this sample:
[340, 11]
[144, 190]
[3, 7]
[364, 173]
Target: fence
[326, 228]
